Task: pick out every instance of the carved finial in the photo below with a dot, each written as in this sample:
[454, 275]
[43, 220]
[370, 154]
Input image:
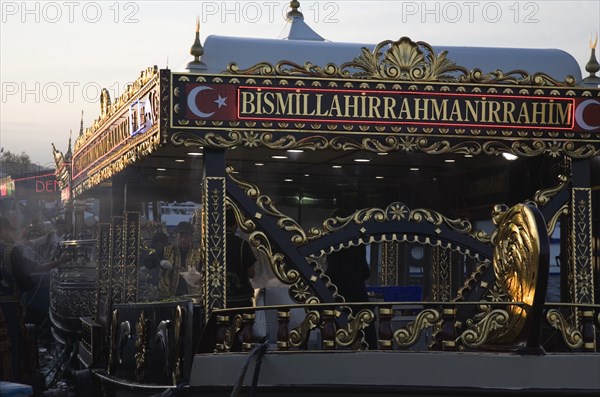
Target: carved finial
[593, 66]
[197, 50]
[294, 12]
[68, 155]
[80, 126]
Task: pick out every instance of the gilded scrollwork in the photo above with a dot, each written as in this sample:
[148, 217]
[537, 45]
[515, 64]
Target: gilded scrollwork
[543, 197]
[299, 335]
[403, 141]
[478, 333]
[516, 256]
[177, 334]
[471, 281]
[409, 335]
[108, 109]
[141, 346]
[570, 335]
[348, 336]
[398, 211]
[401, 60]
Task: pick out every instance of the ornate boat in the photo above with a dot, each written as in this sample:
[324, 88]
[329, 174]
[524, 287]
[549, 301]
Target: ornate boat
[418, 115]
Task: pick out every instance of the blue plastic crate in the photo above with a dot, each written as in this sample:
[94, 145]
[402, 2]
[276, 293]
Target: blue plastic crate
[9, 389]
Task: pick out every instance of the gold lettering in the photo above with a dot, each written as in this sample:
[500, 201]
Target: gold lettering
[494, 109]
[374, 108]
[440, 112]
[536, 111]
[472, 110]
[268, 99]
[247, 105]
[509, 108]
[348, 105]
[563, 114]
[421, 109]
[388, 107]
[405, 109]
[283, 101]
[305, 106]
[456, 112]
[320, 107]
[524, 114]
[335, 105]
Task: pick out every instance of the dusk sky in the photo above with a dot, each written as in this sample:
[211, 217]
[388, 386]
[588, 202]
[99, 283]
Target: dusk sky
[56, 56]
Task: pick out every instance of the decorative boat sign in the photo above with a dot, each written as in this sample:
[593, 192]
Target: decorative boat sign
[306, 106]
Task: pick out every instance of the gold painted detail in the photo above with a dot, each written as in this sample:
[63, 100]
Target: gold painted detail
[141, 346]
[564, 210]
[516, 257]
[402, 141]
[112, 352]
[231, 332]
[177, 365]
[299, 335]
[401, 60]
[478, 333]
[543, 197]
[570, 335]
[471, 281]
[109, 109]
[398, 212]
[346, 337]
[409, 335]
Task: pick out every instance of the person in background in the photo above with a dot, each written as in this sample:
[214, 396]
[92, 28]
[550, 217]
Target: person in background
[16, 347]
[179, 265]
[348, 270]
[240, 266]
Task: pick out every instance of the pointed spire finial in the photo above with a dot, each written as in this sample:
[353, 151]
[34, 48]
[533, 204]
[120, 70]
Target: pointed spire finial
[294, 12]
[197, 51]
[592, 66]
[80, 125]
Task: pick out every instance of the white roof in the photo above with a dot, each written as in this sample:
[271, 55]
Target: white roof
[220, 51]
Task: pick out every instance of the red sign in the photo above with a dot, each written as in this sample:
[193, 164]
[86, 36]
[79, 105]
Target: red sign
[211, 101]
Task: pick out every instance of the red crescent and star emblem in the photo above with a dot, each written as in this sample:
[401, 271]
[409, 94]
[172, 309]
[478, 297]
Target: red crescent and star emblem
[211, 101]
[587, 115]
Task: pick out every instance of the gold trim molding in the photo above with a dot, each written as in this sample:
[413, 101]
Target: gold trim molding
[402, 60]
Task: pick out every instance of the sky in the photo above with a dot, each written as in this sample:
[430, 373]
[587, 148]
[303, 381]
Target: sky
[55, 56]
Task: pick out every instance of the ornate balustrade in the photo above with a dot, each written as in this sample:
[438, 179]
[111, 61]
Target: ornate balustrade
[401, 326]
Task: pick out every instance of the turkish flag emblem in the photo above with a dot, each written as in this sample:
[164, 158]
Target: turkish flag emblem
[587, 115]
[211, 101]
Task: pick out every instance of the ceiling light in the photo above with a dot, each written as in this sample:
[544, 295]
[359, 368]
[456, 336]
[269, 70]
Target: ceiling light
[509, 156]
[288, 180]
[378, 177]
[161, 169]
[259, 164]
[449, 160]
[295, 151]
[194, 154]
[179, 160]
[468, 156]
[414, 168]
[306, 174]
[279, 157]
[382, 153]
[362, 160]
[336, 166]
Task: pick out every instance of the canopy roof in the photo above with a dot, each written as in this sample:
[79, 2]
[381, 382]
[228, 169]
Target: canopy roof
[220, 51]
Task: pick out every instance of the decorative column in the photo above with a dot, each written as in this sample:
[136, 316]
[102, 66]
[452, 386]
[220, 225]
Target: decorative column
[389, 263]
[580, 235]
[441, 266]
[213, 233]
